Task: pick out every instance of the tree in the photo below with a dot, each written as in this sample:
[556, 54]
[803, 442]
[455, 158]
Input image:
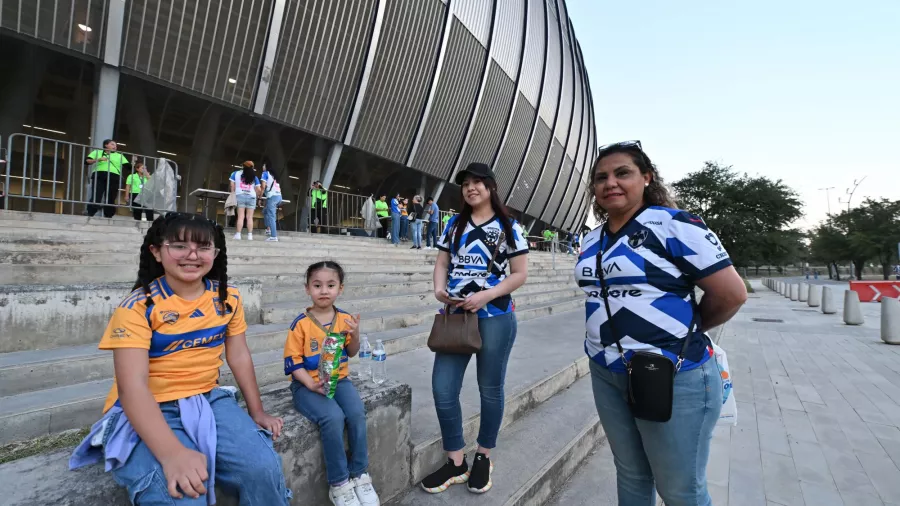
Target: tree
[751, 214]
[830, 245]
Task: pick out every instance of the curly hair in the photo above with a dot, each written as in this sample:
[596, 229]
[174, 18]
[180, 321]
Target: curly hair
[655, 194]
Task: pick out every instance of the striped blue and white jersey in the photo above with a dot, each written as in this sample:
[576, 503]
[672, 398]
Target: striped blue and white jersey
[650, 267]
[469, 272]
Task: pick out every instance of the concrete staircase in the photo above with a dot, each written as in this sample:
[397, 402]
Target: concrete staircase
[52, 381]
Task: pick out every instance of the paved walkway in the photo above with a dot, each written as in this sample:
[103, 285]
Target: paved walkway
[818, 410]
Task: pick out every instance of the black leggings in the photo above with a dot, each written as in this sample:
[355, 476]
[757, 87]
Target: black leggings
[104, 189]
[137, 209]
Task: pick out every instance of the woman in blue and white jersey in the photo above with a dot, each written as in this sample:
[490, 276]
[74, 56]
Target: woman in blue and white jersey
[466, 279]
[652, 257]
[271, 189]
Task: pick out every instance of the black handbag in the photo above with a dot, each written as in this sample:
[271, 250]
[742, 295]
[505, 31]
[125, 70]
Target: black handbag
[651, 376]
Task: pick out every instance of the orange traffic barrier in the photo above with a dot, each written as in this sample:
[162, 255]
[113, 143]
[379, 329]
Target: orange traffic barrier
[873, 291]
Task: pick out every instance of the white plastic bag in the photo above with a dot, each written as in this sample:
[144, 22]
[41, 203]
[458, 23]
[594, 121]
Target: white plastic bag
[728, 416]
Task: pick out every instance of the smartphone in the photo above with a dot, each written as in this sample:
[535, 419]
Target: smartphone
[457, 299]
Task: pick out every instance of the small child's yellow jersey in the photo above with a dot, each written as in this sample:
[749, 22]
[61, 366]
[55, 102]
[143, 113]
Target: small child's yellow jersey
[304, 342]
[185, 339]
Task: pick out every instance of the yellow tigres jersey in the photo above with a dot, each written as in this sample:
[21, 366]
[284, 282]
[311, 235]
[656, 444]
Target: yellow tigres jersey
[185, 339]
[304, 342]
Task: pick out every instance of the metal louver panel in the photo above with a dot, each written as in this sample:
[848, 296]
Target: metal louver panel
[552, 171]
[577, 111]
[491, 118]
[212, 47]
[321, 52]
[552, 70]
[456, 94]
[57, 22]
[563, 122]
[559, 191]
[531, 169]
[566, 205]
[401, 77]
[506, 45]
[533, 63]
[475, 15]
[514, 147]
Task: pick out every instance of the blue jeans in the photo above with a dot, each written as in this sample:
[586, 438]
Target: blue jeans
[270, 213]
[404, 227]
[671, 456]
[431, 234]
[331, 415]
[417, 233]
[246, 464]
[395, 228]
[498, 333]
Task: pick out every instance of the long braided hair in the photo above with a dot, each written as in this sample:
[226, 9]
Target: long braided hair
[183, 227]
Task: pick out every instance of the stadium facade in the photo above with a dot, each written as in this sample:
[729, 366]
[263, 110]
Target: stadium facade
[374, 96]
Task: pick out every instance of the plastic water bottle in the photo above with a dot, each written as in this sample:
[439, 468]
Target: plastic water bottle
[365, 358]
[379, 369]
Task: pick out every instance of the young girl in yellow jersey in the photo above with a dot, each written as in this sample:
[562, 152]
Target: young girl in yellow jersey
[169, 434]
[350, 484]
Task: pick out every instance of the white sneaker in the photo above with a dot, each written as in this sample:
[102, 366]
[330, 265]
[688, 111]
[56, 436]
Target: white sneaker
[365, 491]
[249, 236]
[272, 239]
[237, 236]
[343, 495]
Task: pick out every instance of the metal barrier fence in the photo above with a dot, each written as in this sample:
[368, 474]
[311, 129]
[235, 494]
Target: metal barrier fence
[340, 213]
[54, 176]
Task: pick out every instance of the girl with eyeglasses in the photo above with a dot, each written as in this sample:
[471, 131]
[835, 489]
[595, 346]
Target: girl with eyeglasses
[169, 433]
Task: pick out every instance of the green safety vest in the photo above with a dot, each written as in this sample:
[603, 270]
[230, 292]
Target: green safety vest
[381, 209]
[322, 195]
[137, 182]
[114, 163]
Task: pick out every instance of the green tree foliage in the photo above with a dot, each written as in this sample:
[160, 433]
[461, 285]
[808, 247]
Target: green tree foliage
[867, 233]
[751, 214]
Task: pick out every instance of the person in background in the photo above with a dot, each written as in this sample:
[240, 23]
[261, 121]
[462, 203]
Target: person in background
[246, 188]
[319, 203]
[107, 165]
[569, 241]
[548, 239]
[272, 191]
[434, 216]
[404, 220]
[641, 221]
[417, 216]
[395, 220]
[133, 186]
[382, 210]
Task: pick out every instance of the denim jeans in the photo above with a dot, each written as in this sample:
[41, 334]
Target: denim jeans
[431, 235]
[246, 464]
[395, 228]
[417, 233]
[270, 213]
[404, 227]
[498, 333]
[331, 415]
[672, 455]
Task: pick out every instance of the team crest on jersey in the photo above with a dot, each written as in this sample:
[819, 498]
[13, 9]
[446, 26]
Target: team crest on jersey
[169, 317]
[492, 235]
[313, 345]
[638, 238]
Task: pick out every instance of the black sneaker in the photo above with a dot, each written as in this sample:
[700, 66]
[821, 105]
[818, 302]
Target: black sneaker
[450, 474]
[480, 477]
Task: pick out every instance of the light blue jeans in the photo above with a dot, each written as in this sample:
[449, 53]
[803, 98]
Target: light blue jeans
[246, 464]
[269, 214]
[671, 456]
[331, 415]
[417, 232]
[498, 333]
[395, 228]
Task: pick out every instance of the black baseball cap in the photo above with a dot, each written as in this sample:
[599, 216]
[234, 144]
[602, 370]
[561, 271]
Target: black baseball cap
[476, 169]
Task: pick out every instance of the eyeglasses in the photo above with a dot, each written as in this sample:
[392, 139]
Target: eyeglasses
[180, 251]
[623, 144]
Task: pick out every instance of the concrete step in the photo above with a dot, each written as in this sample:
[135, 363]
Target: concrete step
[30, 371]
[528, 465]
[64, 403]
[594, 484]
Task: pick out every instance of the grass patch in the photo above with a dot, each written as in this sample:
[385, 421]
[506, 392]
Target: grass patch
[43, 444]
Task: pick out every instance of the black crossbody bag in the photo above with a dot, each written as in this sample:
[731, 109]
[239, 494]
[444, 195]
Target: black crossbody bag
[651, 376]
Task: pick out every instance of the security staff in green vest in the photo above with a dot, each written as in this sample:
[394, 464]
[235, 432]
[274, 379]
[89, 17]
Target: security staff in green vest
[107, 165]
[319, 204]
[133, 186]
[383, 211]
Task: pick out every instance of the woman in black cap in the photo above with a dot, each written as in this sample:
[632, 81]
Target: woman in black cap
[465, 279]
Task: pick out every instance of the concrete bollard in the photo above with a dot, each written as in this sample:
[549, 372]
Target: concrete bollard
[782, 288]
[795, 291]
[828, 301]
[852, 310]
[815, 296]
[890, 320]
[804, 292]
[787, 291]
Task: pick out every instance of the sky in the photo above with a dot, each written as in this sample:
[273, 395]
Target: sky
[799, 90]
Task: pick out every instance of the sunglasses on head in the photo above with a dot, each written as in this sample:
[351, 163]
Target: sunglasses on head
[623, 144]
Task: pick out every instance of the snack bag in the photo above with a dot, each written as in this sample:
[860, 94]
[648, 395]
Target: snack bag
[330, 361]
[728, 415]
